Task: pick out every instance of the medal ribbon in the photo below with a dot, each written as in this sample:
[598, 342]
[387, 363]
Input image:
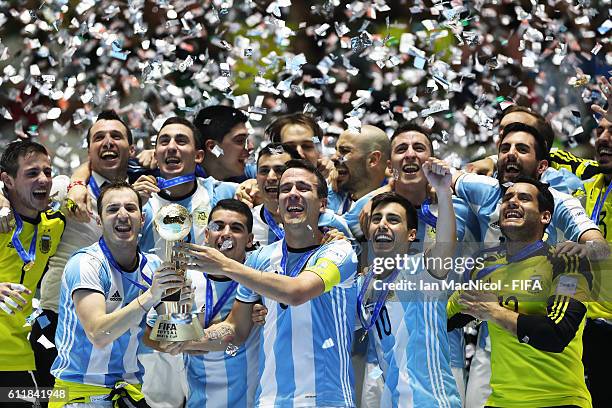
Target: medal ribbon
[31, 255]
[599, 204]
[164, 184]
[276, 229]
[346, 205]
[298, 266]
[210, 310]
[524, 253]
[114, 264]
[95, 189]
[426, 215]
[380, 301]
[200, 172]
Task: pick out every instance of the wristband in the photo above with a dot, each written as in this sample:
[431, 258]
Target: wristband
[76, 183]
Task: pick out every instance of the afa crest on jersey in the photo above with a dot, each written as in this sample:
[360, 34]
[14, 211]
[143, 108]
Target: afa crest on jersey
[201, 218]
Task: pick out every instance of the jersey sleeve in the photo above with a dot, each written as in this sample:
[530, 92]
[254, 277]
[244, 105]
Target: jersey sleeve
[331, 220]
[352, 215]
[243, 293]
[569, 217]
[223, 190]
[562, 180]
[565, 307]
[476, 189]
[147, 240]
[250, 171]
[583, 168]
[467, 223]
[335, 264]
[84, 271]
[572, 277]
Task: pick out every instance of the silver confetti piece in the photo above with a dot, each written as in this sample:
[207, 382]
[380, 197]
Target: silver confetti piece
[227, 244]
[231, 350]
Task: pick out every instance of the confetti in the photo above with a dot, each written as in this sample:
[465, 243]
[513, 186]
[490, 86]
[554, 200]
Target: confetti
[46, 343]
[227, 244]
[231, 350]
[329, 343]
[217, 151]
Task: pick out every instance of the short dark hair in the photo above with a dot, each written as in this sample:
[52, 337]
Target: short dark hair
[274, 129]
[540, 145]
[412, 220]
[9, 162]
[116, 185]
[546, 201]
[110, 115]
[542, 125]
[214, 122]
[231, 204]
[412, 127]
[278, 148]
[308, 166]
[197, 137]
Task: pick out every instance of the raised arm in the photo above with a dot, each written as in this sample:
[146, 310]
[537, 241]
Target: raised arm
[81, 207]
[439, 177]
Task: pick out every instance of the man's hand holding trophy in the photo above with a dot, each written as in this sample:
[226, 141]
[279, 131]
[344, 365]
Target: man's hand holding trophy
[173, 223]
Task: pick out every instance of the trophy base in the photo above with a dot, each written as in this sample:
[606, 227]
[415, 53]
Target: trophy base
[176, 327]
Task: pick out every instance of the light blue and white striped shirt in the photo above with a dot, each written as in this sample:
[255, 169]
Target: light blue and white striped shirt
[412, 345]
[305, 351]
[484, 195]
[77, 359]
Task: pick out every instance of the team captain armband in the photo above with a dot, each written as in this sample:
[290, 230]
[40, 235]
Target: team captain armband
[328, 271]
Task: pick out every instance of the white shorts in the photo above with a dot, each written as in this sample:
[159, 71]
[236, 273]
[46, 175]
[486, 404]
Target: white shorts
[164, 384]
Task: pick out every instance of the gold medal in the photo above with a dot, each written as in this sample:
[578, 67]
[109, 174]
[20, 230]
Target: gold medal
[363, 337]
[28, 266]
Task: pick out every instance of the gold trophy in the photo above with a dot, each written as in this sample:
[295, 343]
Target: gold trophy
[173, 223]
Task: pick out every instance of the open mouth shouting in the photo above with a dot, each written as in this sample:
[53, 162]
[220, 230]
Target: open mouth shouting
[383, 239]
[343, 172]
[604, 153]
[512, 169]
[41, 194]
[123, 230]
[295, 209]
[173, 162]
[109, 156]
[411, 168]
[271, 189]
[512, 214]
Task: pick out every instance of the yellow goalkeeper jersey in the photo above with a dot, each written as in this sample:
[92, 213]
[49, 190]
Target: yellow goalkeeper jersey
[15, 351]
[521, 375]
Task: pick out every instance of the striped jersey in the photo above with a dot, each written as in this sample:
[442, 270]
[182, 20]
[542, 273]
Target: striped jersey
[562, 180]
[305, 350]
[217, 379]
[411, 342]
[264, 235]
[583, 168]
[77, 360]
[342, 204]
[484, 194]
[199, 204]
